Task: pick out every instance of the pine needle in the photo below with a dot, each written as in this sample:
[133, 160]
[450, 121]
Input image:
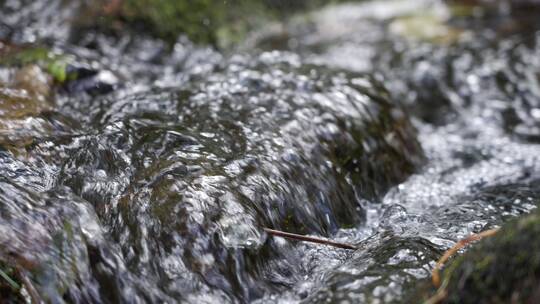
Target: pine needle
[9, 280]
[310, 239]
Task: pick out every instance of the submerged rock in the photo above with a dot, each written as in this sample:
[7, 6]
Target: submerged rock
[183, 179]
[385, 267]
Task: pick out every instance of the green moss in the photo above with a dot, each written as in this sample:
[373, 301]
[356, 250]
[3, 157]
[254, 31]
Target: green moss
[167, 18]
[220, 23]
[501, 269]
[25, 56]
[54, 64]
[57, 69]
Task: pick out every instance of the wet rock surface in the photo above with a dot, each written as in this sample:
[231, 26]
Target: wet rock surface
[475, 277]
[136, 171]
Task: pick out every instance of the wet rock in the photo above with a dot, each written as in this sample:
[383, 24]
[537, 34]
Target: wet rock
[191, 174]
[83, 79]
[34, 80]
[501, 269]
[65, 260]
[25, 95]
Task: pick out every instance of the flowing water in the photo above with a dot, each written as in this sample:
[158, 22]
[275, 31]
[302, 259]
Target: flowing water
[150, 173]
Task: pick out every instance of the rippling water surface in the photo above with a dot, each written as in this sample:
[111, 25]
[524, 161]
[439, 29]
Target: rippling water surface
[149, 173]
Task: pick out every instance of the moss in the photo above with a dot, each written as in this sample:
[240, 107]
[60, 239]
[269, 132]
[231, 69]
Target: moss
[54, 64]
[166, 18]
[501, 269]
[220, 23]
[58, 70]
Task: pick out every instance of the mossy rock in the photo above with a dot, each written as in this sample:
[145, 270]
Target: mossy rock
[501, 269]
[220, 23]
[54, 64]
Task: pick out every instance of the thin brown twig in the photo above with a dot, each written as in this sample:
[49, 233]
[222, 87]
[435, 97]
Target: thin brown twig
[311, 239]
[462, 243]
[435, 277]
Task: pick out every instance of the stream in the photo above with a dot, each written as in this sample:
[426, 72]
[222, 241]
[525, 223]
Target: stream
[148, 175]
